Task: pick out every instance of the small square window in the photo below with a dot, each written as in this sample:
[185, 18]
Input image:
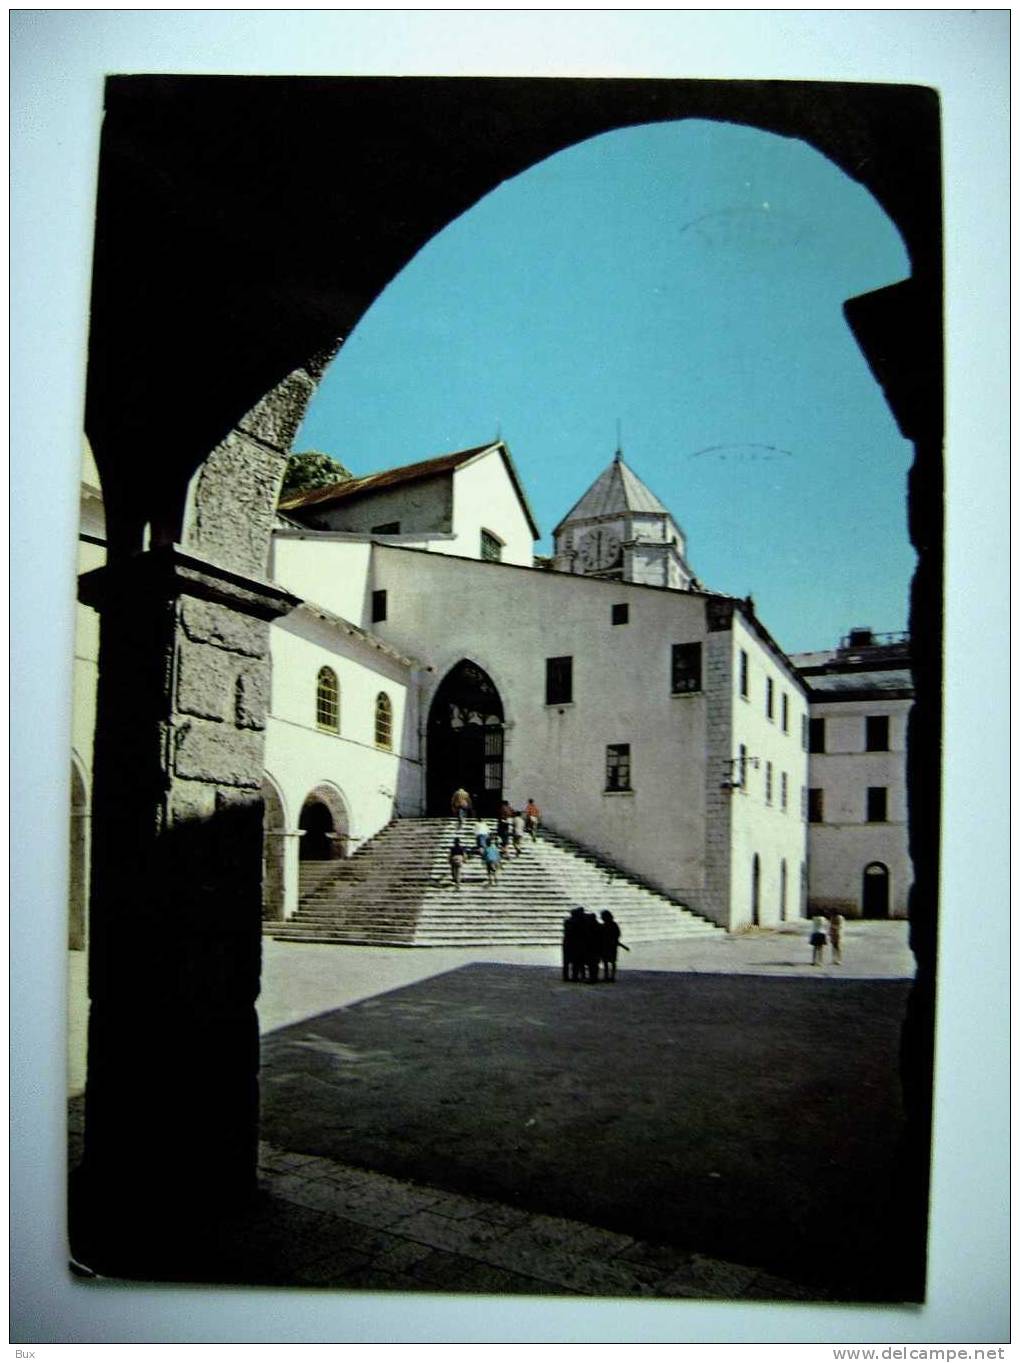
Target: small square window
[816, 805]
[816, 741]
[559, 681]
[877, 733]
[878, 804]
[686, 668]
[620, 614]
[618, 766]
[378, 607]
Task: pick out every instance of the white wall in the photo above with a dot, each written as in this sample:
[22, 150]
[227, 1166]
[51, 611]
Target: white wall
[621, 694]
[759, 825]
[844, 842]
[300, 756]
[484, 497]
[331, 572]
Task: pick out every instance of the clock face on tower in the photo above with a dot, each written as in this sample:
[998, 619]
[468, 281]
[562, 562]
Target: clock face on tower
[599, 549]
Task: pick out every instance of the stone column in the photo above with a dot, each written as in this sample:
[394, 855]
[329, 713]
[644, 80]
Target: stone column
[175, 916]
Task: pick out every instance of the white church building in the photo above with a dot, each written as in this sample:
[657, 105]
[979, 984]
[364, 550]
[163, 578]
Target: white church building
[653, 721]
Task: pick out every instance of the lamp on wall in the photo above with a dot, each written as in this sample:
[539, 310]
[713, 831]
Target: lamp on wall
[734, 769]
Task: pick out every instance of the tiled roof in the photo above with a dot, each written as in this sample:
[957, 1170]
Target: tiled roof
[371, 482]
[616, 489]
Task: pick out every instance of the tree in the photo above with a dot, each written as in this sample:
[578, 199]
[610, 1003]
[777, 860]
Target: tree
[311, 469]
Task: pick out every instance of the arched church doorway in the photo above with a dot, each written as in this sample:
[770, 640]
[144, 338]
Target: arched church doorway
[465, 741]
[273, 852]
[756, 890]
[875, 891]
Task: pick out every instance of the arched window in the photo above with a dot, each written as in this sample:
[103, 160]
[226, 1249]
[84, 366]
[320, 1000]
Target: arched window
[327, 701]
[383, 721]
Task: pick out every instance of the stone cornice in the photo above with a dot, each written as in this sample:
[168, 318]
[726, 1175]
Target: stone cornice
[168, 572]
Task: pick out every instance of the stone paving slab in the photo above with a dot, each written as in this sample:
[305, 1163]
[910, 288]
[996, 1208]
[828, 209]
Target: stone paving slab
[433, 1241]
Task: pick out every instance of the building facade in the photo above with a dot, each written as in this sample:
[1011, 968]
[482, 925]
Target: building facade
[655, 722]
[861, 694]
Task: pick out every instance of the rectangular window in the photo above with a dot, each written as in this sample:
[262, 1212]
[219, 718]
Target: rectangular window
[877, 733]
[618, 766]
[390, 528]
[804, 732]
[492, 547]
[878, 803]
[816, 805]
[378, 607]
[743, 674]
[785, 710]
[770, 698]
[784, 790]
[559, 681]
[816, 741]
[768, 783]
[621, 614]
[742, 767]
[686, 668]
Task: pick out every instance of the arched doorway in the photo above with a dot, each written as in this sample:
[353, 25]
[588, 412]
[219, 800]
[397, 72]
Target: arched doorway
[782, 890]
[875, 890]
[465, 740]
[323, 821]
[756, 890]
[274, 827]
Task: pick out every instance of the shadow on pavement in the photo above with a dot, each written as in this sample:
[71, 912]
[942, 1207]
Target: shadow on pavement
[754, 1119]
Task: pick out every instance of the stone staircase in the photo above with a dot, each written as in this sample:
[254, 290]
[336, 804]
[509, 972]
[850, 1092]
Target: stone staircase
[396, 891]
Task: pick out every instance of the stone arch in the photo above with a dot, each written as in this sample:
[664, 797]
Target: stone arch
[325, 823]
[227, 281]
[274, 850]
[79, 841]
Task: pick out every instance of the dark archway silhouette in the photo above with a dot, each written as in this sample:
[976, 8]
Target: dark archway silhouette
[209, 289]
[465, 741]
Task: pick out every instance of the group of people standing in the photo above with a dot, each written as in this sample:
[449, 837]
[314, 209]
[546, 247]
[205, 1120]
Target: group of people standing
[827, 933]
[512, 825]
[588, 944]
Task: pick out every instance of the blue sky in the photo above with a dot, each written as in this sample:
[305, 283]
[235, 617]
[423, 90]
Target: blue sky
[685, 279]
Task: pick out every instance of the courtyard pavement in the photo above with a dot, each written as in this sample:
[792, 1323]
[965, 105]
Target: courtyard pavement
[391, 1161]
